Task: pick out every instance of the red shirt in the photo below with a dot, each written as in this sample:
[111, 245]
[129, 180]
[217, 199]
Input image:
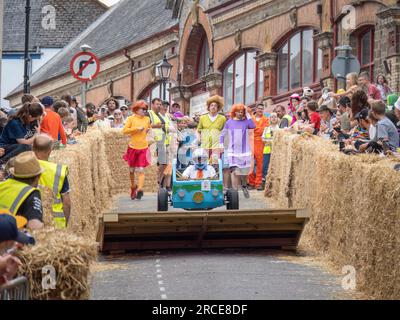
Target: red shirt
[374, 93]
[316, 120]
[52, 125]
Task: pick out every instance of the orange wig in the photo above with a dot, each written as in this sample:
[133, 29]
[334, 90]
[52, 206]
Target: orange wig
[236, 108]
[141, 104]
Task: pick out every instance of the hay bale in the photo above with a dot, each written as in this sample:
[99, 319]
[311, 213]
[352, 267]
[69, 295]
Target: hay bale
[354, 204]
[70, 256]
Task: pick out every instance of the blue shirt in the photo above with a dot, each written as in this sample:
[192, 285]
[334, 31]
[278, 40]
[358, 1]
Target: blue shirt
[15, 130]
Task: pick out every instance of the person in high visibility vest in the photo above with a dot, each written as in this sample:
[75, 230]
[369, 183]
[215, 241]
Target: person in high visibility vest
[160, 129]
[261, 122]
[267, 138]
[20, 194]
[54, 178]
[285, 119]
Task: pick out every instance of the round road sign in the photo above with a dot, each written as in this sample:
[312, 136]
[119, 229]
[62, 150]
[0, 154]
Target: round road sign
[85, 66]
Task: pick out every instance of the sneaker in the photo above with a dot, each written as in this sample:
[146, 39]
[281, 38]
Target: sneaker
[140, 195]
[133, 193]
[246, 193]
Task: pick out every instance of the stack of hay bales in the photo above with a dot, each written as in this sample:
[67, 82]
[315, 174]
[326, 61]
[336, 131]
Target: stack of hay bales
[354, 203]
[66, 260]
[97, 172]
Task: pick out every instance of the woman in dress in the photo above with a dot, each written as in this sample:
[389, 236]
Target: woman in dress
[138, 155]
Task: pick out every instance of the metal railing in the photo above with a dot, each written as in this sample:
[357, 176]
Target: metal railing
[17, 289]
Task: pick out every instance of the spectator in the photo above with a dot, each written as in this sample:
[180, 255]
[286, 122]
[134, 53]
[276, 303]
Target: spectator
[285, 119]
[82, 121]
[118, 122]
[363, 137]
[365, 83]
[68, 99]
[125, 112]
[382, 85]
[237, 129]
[112, 105]
[19, 132]
[102, 121]
[359, 101]
[20, 194]
[386, 130]
[315, 119]
[29, 98]
[52, 124]
[294, 103]
[64, 113]
[60, 104]
[352, 86]
[328, 121]
[10, 234]
[308, 92]
[55, 178]
[344, 106]
[91, 113]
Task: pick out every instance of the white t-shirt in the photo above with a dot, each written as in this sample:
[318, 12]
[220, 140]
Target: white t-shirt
[191, 172]
[212, 118]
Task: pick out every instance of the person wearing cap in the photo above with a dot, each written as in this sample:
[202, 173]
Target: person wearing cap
[211, 125]
[52, 124]
[54, 178]
[20, 194]
[328, 120]
[10, 234]
[19, 132]
[138, 154]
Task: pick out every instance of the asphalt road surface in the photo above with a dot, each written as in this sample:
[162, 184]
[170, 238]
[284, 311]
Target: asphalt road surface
[210, 274]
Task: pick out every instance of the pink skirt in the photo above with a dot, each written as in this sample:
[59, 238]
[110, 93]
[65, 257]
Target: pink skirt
[138, 158]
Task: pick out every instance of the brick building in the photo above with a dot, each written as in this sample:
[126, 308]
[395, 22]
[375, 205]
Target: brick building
[247, 51]
[53, 24]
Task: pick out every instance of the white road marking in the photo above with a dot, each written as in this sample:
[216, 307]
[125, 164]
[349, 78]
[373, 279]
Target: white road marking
[161, 283]
[159, 277]
[164, 297]
[162, 289]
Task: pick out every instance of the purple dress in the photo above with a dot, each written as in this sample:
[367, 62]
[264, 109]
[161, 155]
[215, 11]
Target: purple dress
[239, 146]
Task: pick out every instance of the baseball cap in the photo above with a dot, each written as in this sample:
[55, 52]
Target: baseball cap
[9, 231]
[47, 101]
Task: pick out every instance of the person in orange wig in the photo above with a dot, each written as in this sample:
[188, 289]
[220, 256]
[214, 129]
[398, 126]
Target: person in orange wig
[138, 153]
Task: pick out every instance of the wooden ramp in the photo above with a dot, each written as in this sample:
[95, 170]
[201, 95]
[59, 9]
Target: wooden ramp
[212, 229]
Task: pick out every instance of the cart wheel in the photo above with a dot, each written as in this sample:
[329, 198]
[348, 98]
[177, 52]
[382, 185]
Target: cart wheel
[162, 201]
[233, 200]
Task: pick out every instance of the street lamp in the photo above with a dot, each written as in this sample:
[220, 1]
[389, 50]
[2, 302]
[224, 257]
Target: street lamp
[26, 55]
[164, 70]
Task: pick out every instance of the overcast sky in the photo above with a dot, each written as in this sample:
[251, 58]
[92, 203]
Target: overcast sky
[109, 2]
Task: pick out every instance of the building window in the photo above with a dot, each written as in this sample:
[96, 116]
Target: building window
[366, 51]
[204, 58]
[156, 92]
[243, 80]
[299, 61]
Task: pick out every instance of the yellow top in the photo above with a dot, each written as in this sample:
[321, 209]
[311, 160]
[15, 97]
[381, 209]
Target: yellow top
[138, 137]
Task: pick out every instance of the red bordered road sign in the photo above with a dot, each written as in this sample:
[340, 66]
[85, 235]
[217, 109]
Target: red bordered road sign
[85, 66]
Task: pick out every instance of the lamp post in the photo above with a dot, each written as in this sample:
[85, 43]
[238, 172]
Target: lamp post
[84, 48]
[27, 88]
[164, 70]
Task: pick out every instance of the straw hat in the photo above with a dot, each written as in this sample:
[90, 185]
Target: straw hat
[217, 99]
[26, 166]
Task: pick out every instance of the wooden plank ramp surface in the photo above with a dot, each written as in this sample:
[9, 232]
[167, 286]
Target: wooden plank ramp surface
[204, 229]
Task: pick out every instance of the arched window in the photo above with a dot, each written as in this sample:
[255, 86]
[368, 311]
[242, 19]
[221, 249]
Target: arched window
[156, 92]
[299, 61]
[243, 80]
[365, 52]
[204, 57]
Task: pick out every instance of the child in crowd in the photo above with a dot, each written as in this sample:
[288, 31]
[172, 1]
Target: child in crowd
[68, 123]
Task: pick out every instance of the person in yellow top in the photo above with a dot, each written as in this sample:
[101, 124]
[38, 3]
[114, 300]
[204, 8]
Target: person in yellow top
[138, 154]
[211, 125]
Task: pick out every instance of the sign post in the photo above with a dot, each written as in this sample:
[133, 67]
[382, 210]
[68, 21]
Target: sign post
[85, 66]
[344, 63]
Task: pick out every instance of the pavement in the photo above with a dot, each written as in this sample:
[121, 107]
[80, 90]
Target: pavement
[255, 274]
